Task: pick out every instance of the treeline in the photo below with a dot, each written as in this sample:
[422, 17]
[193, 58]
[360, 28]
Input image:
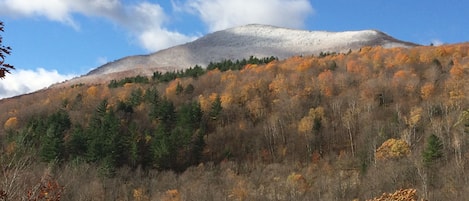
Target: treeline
[122, 82]
[193, 72]
[239, 64]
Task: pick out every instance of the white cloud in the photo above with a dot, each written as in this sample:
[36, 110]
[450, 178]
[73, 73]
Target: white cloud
[147, 22]
[56, 10]
[222, 14]
[144, 20]
[26, 81]
[154, 38]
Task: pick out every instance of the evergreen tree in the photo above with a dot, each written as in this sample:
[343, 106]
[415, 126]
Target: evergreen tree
[189, 89]
[125, 107]
[161, 148]
[106, 144]
[52, 144]
[151, 96]
[190, 116]
[77, 145]
[216, 108]
[166, 113]
[433, 150]
[134, 147]
[136, 97]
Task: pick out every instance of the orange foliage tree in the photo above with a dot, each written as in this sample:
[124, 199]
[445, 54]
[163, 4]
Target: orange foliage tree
[11, 123]
[326, 83]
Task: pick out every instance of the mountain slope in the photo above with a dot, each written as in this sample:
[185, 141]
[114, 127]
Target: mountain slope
[303, 128]
[243, 42]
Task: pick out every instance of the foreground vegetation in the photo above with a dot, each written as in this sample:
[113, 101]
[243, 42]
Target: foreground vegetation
[333, 127]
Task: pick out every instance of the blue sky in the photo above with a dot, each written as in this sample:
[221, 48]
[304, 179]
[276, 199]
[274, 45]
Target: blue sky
[54, 40]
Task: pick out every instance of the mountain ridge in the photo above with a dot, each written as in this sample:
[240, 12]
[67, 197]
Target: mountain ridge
[242, 42]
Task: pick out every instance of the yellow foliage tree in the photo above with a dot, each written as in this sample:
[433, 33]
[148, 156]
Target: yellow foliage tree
[401, 58]
[415, 116]
[457, 72]
[92, 91]
[277, 84]
[11, 123]
[172, 195]
[427, 91]
[256, 108]
[392, 149]
[402, 195]
[305, 65]
[140, 195]
[206, 102]
[226, 100]
[170, 91]
[306, 124]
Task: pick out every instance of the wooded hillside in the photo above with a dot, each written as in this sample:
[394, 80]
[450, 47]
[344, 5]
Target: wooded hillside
[327, 127]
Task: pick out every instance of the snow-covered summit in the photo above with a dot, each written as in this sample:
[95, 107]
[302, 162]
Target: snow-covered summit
[249, 40]
[298, 41]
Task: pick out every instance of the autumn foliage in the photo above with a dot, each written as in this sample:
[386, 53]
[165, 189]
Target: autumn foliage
[392, 149]
[402, 195]
[338, 126]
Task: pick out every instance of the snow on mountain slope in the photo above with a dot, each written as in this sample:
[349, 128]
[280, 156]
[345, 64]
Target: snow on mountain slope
[245, 41]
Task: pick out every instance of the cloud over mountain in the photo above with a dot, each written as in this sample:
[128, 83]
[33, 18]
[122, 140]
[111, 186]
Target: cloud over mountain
[26, 81]
[144, 20]
[148, 22]
[222, 14]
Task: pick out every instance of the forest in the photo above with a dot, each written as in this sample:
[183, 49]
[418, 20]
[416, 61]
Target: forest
[368, 124]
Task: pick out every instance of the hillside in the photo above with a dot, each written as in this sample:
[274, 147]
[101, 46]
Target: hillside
[239, 43]
[344, 126]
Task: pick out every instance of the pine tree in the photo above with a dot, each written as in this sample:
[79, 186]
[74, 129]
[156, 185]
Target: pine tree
[136, 97]
[77, 145]
[52, 144]
[189, 89]
[151, 96]
[216, 108]
[105, 142]
[433, 150]
[166, 113]
[161, 148]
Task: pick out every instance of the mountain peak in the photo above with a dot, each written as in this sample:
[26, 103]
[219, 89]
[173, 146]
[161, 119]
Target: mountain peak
[244, 41]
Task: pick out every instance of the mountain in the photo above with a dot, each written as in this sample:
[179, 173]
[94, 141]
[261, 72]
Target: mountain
[242, 42]
[335, 127]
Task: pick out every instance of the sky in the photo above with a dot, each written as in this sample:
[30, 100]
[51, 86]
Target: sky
[55, 40]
